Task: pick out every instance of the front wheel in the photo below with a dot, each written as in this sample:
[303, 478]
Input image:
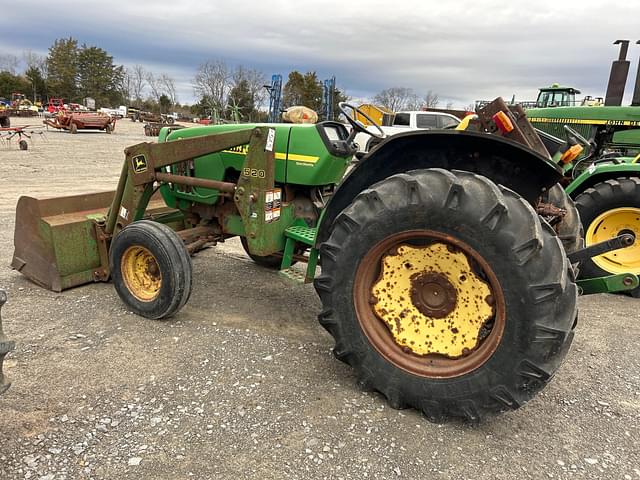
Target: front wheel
[608, 209]
[446, 293]
[151, 269]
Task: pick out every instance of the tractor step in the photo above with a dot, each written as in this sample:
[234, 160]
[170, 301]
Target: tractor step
[307, 236]
[294, 275]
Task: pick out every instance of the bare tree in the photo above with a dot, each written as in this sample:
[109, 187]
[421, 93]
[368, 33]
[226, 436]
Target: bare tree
[395, 98]
[414, 102]
[125, 85]
[138, 82]
[212, 82]
[34, 60]
[169, 88]
[9, 63]
[431, 99]
[255, 81]
[155, 85]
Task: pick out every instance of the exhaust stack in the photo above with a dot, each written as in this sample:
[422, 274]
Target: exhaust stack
[618, 76]
[635, 102]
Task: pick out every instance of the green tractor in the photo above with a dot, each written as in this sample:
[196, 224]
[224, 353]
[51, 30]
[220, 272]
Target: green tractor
[604, 180]
[441, 280]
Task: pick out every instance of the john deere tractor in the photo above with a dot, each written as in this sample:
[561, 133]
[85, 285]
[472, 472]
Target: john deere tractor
[441, 280]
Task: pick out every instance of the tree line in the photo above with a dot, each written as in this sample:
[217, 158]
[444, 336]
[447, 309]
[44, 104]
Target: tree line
[74, 72]
[241, 91]
[402, 98]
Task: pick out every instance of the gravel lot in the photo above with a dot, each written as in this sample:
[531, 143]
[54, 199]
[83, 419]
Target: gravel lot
[242, 383]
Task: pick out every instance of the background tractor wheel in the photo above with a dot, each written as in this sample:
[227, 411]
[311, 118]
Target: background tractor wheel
[151, 269]
[272, 262]
[608, 209]
[5, 122]
[447, 293]
[23, 145]
[73, 128]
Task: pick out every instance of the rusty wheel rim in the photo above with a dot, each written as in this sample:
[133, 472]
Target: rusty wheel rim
[380, 334]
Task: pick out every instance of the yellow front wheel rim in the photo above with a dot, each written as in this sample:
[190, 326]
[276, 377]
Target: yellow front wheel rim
[141, 273]
[608, 225]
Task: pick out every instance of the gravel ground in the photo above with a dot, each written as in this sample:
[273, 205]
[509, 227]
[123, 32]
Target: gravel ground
[242, 383]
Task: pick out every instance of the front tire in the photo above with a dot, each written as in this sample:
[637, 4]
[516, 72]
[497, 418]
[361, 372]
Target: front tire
[608, 209]
[272, 262]
[475, 232]
[151, 269]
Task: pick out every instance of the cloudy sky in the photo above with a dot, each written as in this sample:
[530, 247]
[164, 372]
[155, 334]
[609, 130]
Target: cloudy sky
[463, 50]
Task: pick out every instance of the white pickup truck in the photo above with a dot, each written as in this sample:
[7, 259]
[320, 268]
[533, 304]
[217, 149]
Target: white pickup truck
[120, 112]
[405, 121]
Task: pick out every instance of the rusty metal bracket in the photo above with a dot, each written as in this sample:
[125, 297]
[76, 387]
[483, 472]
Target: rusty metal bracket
[256, 183]
[522, 132]
[141, 165]
[145, 158]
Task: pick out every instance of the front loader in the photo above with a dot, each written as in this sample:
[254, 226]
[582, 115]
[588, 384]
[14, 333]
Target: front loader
[441, 280]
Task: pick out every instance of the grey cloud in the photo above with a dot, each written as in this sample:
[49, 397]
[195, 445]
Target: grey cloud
[463, 50]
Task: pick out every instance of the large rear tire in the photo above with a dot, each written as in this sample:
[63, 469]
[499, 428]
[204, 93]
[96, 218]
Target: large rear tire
[151, 269]
[488, 308]
[608, 209]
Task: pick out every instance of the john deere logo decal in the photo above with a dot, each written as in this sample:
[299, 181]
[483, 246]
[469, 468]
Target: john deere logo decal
[139, 164]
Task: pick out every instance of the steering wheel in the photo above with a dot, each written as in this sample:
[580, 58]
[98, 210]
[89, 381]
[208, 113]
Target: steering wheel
[357, 125]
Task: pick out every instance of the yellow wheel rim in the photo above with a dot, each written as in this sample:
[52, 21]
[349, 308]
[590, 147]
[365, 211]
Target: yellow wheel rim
[431, 300]
[141, 273]
[610, 224]
[429, 303]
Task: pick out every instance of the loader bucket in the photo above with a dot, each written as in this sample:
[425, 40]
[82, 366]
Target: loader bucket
[55, 239]
[58, 243]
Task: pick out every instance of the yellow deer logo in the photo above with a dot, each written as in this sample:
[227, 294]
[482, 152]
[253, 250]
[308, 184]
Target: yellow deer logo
[139, 164]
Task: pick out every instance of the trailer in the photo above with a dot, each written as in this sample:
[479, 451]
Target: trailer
[74, 121]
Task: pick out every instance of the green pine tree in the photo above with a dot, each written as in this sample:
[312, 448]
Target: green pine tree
[62, 64]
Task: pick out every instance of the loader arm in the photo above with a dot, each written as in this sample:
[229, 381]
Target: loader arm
[64, 242]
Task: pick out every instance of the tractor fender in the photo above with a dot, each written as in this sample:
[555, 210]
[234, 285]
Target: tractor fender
[503, 161]
[601, 172]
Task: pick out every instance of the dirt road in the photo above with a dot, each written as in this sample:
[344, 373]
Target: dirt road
[242, 383]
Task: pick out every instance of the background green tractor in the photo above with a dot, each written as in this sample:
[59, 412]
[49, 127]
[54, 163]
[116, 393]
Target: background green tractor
[604, 180]
[441, 280]
[606, 191]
